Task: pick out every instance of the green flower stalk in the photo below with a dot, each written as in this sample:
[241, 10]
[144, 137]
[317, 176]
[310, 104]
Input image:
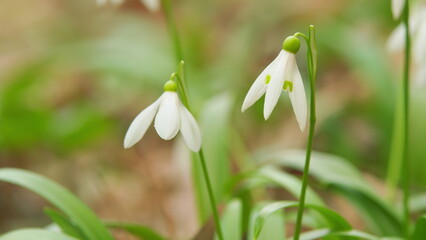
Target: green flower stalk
[406, 98]
[399, 164]
[180, 79]
[312, 66]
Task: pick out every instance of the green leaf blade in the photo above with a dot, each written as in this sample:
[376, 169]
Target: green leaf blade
[35, 234]
[61, 198]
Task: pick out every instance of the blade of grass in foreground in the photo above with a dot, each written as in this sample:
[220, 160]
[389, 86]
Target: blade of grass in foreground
[35, 234]
[61, 198]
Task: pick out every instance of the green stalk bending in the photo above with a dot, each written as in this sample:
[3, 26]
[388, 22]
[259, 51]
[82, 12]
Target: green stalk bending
[310, 40]
[180, 76]
[406, 98]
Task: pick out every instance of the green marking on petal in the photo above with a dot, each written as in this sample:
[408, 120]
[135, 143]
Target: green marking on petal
[267, 79]
[170, 86]
[288, 86]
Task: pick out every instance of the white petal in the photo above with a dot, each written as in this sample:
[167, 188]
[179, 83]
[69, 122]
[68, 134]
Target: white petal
[101, 3]
[167, 121]
[396, 40]
[417, 17]
[116, 2]
[259, 86]
[189, 129]
[141, 123]
[275, 86]
[397, 7]
[420, 77]
[419, 46]
[152, 5]
[298, 97]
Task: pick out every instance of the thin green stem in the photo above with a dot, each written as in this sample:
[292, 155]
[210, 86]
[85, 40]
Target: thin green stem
[211, 195]
[168, 11]
[312, 121]
[180, 79]
[406, 97]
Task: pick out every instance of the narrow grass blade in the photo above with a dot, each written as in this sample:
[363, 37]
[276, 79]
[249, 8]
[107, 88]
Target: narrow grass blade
[61, 198]
[142, 232]
[35, 234]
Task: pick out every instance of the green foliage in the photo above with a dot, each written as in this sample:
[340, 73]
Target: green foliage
[70, 205]
[35, 234]
[215, 119]
[231, 221]
[65, 224]
[142, 232]
[420, 229]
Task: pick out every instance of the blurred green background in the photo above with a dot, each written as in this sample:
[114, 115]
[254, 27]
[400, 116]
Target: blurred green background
[73, 76]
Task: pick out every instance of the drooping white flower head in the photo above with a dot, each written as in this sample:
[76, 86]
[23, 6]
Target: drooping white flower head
[170, 117]
[397, 8]
[151, 5]
[281, 74]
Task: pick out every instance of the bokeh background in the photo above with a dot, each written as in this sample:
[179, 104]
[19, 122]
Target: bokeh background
[73, 76]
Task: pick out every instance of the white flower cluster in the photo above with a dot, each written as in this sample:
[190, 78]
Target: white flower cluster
[152, 5]
[396, 41]
[171, 115]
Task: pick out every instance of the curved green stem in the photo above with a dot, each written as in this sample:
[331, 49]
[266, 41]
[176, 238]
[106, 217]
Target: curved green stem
[180, 79]
[312, 120]
[406, 98]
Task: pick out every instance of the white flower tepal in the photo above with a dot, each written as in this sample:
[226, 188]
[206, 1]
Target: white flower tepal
[281, 74]
[397, 8]
[151, 5]
[170, 117]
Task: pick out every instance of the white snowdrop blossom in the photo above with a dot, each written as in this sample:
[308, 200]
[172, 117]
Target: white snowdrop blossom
[397, 8]
[281, 74]
[170, 117]
[151, 5]
[396, 41]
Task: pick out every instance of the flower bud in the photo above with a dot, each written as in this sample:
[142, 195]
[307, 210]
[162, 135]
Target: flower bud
[170, 86]
[291, 44]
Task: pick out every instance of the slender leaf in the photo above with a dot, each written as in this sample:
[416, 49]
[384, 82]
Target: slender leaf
[335, 221]
[352, 234]
[231, 221]
[139, 231]
[35, 234]
[420, 230]
[288, 182]
[61, 198]
[273, 228]
[65, 224]
[341, 176]
[216, 141]
[418, 203]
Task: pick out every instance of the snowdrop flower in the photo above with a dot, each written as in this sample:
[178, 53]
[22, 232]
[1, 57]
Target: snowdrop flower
[151, 5]
[170, 117]
[397, 7]
[281, 74]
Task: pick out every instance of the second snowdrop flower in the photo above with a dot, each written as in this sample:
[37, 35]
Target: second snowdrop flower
[281, 74]
[170, 117]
